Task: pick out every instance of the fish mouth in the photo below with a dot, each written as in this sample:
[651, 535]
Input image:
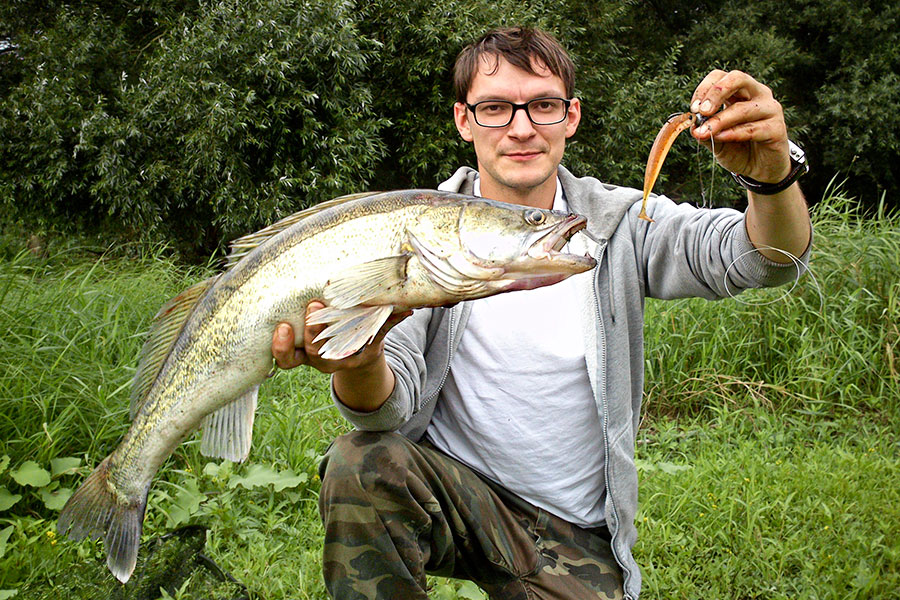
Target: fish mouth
[548, 264]
[550, 245]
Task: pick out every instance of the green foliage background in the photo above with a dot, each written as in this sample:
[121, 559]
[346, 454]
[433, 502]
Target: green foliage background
[193, 122]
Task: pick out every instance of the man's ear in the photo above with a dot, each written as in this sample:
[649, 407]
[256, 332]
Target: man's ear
[461, 118]
[573, 117]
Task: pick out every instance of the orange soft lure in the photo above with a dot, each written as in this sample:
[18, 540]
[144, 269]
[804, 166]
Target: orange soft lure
[674, 125]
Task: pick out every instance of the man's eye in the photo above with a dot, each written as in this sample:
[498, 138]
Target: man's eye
[493, 107]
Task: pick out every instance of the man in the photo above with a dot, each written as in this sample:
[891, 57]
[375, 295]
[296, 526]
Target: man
[517, 414]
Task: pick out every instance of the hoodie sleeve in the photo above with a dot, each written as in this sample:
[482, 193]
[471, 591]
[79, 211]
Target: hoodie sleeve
[404, 351]
[707, 253]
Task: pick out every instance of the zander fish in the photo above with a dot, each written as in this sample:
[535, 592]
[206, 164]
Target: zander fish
[365, 257]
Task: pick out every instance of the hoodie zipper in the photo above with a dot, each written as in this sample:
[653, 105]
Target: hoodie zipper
[601, 390]
[446, 373]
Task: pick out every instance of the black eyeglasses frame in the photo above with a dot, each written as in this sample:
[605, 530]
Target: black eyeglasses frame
[517, 107]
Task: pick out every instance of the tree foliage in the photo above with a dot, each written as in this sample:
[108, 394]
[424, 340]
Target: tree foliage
[197, 121]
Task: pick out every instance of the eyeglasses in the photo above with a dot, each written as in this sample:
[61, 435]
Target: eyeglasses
[500, 113]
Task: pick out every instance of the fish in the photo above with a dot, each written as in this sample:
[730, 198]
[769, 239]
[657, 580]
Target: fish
[365, 257]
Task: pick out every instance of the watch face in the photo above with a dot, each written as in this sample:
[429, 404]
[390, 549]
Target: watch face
[797, 154]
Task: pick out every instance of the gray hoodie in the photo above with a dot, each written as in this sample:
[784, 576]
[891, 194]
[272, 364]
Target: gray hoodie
[686, 252]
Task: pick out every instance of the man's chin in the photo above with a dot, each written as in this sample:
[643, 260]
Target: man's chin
[526, 179]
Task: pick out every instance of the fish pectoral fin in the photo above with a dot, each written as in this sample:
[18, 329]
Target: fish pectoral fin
[164, 331]
[349, 329]
[364, 282]
[228, 432]
[443, 272]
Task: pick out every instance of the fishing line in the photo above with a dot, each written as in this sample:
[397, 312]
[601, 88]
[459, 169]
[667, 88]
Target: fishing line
[798, 264]
[707, 202]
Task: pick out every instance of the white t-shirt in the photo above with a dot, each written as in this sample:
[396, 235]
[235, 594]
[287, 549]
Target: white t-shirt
[517, 405]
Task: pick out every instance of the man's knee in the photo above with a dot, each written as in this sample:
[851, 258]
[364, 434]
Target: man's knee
[361, 461]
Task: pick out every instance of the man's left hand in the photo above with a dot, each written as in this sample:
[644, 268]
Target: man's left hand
[749, 135]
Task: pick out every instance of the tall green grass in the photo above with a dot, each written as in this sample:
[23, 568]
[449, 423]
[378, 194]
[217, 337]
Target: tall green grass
[831, 346]
[72, 329]
[769, 457]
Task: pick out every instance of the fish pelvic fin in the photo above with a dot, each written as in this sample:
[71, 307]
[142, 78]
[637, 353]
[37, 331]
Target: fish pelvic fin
[228, 432]
[96, 511]
[349, 329]
[243, 246]
[164, 331]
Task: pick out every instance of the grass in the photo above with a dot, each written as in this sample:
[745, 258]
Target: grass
[769, 455]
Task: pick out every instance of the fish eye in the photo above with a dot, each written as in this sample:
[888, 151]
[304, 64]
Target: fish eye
[535, 217]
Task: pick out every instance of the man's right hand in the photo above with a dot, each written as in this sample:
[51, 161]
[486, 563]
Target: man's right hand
[362, 381]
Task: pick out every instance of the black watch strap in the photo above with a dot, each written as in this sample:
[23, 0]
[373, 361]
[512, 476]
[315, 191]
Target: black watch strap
[799, 167]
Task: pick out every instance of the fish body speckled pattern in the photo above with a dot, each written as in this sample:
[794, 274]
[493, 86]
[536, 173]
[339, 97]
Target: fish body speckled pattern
[365, 256]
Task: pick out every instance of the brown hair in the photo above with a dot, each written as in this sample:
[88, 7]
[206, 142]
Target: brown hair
[518, 45]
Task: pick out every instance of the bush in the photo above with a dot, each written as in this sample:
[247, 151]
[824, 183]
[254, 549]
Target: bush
[239, 113]
[198, 122]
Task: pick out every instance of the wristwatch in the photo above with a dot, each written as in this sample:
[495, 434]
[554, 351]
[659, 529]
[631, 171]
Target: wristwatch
[799, 167]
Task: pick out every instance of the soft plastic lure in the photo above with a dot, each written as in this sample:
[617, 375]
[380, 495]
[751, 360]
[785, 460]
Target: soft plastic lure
[674, 125]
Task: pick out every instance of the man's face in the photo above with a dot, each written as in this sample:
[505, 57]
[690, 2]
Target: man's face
[522, 155]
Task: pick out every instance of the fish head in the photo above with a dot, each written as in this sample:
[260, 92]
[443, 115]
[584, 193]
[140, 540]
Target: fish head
[488, 247]
[522, 245]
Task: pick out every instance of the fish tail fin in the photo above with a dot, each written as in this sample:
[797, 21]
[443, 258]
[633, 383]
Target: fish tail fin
[96, 511]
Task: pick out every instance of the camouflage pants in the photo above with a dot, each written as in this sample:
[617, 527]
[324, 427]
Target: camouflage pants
[394, 511]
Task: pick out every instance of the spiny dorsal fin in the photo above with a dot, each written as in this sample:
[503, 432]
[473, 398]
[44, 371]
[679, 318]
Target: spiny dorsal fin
[242, 246]
[164, 330]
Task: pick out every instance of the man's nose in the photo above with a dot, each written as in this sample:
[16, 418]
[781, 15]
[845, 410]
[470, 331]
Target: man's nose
[521, 125]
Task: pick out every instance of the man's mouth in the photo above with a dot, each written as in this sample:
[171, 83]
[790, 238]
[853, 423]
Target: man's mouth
[523, 155]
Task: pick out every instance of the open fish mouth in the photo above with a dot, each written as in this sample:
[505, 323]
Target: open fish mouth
[550, 245]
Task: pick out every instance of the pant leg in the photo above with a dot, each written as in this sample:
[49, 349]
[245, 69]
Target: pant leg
[394, 510]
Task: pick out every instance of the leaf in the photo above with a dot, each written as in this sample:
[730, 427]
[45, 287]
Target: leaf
[60, 466]
[4, 594]
[644, 466]
[186, 503]
[55, 500]
[672, 468]
[7, 499]
[471, 591]
[4, 537]
[665, 467]
[443, 591]
[4, 462]
[31, 474]
[221, 471]
[261, 476]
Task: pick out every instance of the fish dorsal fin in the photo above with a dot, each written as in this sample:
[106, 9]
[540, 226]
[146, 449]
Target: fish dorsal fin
[228, 432]
[362, 283]
[349, 329]
[243, 246]
[164, 330]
